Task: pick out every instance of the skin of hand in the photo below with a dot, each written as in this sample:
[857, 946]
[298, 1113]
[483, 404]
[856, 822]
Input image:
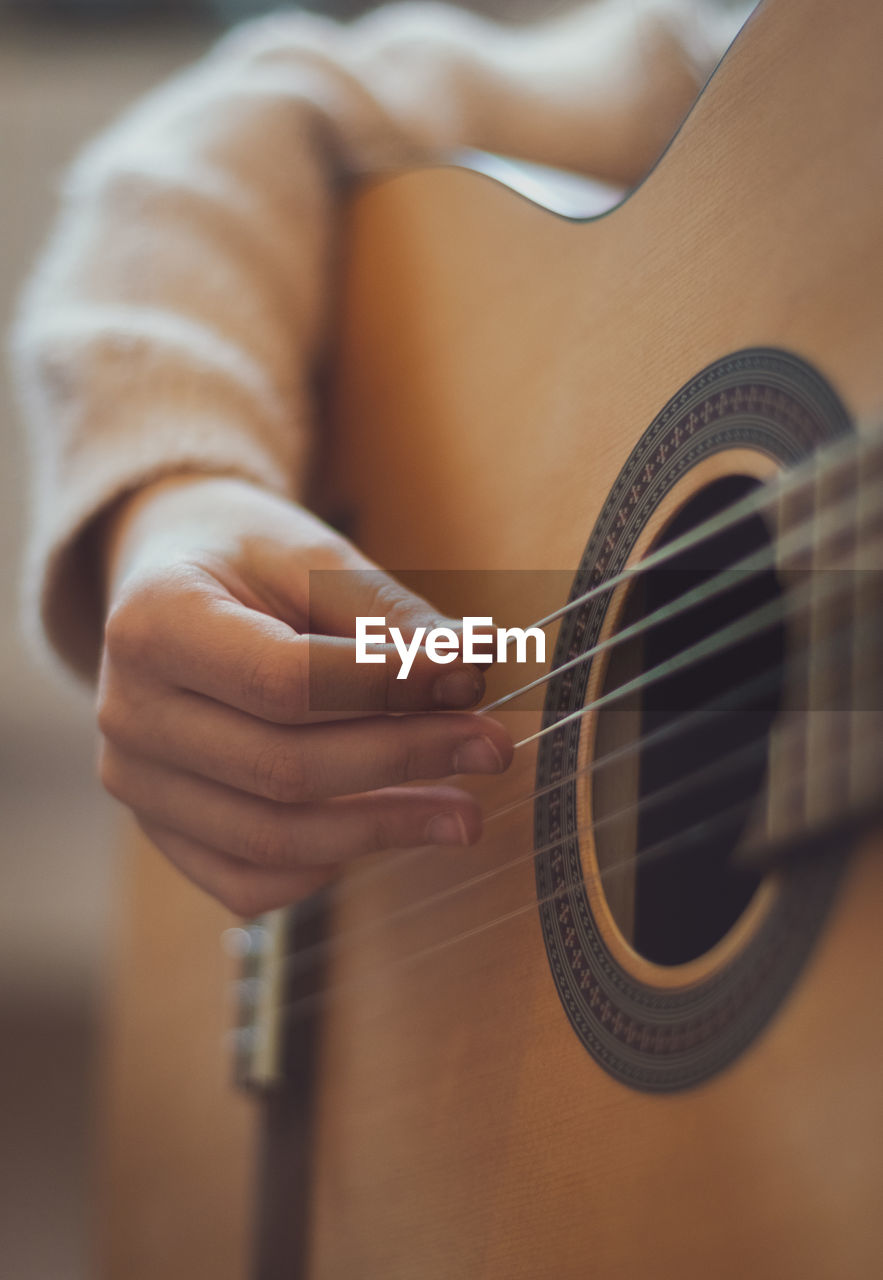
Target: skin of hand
[207, 700]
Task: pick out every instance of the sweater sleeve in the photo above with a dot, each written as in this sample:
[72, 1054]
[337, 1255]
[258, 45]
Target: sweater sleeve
[175, 318]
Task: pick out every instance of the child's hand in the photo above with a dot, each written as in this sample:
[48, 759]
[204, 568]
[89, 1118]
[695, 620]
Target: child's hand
[207, 710]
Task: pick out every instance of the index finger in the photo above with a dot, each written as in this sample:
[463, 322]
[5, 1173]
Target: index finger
[251, 661]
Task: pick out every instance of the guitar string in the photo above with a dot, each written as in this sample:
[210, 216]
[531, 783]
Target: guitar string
[697, 831]
[841, 641]
[765, 558]
[747, 692]
[756, 687]
[729, 518]
[828, 461]
[825, 463]
[733, 763]
[763, 617]
[754, 623]
[765, 683]
[700, 831]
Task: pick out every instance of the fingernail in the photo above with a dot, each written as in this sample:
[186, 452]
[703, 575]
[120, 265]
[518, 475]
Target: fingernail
[460, 688]
[477, 755]
[446, 828]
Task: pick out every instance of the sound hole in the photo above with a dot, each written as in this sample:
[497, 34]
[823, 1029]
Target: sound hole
[683, 799]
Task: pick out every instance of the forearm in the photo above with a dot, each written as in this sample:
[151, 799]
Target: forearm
[175, 323]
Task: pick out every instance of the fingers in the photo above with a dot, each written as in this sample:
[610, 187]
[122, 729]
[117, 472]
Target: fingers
[245, 890]
[282, 837]
[258, 755]
[339, 685]
[302, 764]
[188, 632]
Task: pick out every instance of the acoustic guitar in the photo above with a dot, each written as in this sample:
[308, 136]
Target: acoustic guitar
[633, 1032]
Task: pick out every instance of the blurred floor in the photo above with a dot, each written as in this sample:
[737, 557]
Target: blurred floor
[56, 850]
[57, 86]
[46, 1079]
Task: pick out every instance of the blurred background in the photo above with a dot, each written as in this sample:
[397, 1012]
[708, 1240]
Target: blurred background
[63, 74]
[66, 69]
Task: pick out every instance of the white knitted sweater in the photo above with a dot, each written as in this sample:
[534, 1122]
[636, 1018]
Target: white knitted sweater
[175, 319]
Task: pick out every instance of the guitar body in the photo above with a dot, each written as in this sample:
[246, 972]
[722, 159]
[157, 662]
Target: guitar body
[500, 368]
[176, 1160]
